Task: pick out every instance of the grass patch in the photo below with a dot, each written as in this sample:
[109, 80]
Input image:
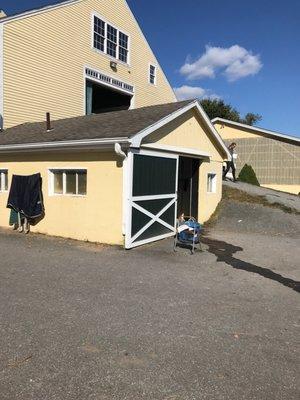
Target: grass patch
[243, 197]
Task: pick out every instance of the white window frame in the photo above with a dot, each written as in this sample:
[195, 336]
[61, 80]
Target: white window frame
[3, 174]
[106, 22]
[149, 74]
[213, 177]
[51, 172]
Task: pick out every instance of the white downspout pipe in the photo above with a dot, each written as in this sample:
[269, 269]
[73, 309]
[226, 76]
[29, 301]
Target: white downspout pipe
[120, 153]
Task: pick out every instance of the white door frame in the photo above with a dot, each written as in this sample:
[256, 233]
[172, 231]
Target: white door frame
[130, 241]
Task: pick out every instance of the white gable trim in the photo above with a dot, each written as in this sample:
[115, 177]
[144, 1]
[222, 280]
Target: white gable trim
[38, 11]
[137, 139]
[255, 129]
[178, 150]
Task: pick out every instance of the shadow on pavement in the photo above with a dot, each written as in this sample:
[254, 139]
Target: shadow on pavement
[225, 251]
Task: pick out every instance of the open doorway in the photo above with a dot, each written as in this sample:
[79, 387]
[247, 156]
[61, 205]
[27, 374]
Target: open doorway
[100, 99]
[188, 184]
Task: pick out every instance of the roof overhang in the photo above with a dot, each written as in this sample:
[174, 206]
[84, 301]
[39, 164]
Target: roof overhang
[135, 141]
[257, 130]
[68, 145]
[138, 138]
[184, 151]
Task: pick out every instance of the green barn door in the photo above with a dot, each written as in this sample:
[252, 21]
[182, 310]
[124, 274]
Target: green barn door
[153, 197]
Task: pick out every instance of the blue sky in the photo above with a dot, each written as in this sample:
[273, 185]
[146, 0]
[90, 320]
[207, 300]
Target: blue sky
[246, 53]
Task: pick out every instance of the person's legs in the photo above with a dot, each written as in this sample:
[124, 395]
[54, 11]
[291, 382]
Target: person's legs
[233, 170]
[226, 169]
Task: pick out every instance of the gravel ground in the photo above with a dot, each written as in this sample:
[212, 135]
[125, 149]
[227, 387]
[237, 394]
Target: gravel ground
[81, 321]
[273, 196]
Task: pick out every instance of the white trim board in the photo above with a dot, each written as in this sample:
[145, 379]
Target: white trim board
[108, 84]
[177, 150]
[256, 129]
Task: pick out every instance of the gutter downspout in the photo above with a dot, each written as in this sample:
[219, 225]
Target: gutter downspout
[119, 151]
[125, 166]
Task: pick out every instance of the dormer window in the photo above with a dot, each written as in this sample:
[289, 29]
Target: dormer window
[110, 40]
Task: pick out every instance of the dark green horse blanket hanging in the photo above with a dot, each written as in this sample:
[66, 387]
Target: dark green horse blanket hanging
[25, 196]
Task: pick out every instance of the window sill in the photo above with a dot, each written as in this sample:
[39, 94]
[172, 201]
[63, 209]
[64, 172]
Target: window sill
[80, 196]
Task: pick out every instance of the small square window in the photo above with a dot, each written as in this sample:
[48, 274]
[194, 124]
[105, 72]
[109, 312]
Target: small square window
[69, 182]
[211, 183]
[3, 180]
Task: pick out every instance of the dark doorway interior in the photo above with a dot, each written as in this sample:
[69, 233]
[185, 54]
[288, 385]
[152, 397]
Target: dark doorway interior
[100, 99]
[188, 183]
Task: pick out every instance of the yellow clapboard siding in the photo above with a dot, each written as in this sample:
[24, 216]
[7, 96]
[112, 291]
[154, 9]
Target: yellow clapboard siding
[45, 55]
[189, 131]
[228, 132]
[96, 217]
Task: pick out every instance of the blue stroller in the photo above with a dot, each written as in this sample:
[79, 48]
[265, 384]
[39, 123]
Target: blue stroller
[188, 233]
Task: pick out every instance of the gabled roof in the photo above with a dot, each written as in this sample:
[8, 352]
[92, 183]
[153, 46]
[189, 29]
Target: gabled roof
[127, 126]
[115, 124]
[258, 130]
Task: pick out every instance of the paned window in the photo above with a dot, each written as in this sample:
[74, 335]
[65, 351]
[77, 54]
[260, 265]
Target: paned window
[69, 182]
[110, 40]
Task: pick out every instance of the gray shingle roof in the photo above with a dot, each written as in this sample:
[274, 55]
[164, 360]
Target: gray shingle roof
[117, 124]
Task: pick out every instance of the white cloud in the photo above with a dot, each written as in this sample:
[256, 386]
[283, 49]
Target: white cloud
[193, 92]
[234, 62]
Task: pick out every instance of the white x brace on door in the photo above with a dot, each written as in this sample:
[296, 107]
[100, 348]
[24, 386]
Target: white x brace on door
[152, 197]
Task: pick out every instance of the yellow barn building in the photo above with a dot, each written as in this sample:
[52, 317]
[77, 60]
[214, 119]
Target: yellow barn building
[120, 158]
[123, 175]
